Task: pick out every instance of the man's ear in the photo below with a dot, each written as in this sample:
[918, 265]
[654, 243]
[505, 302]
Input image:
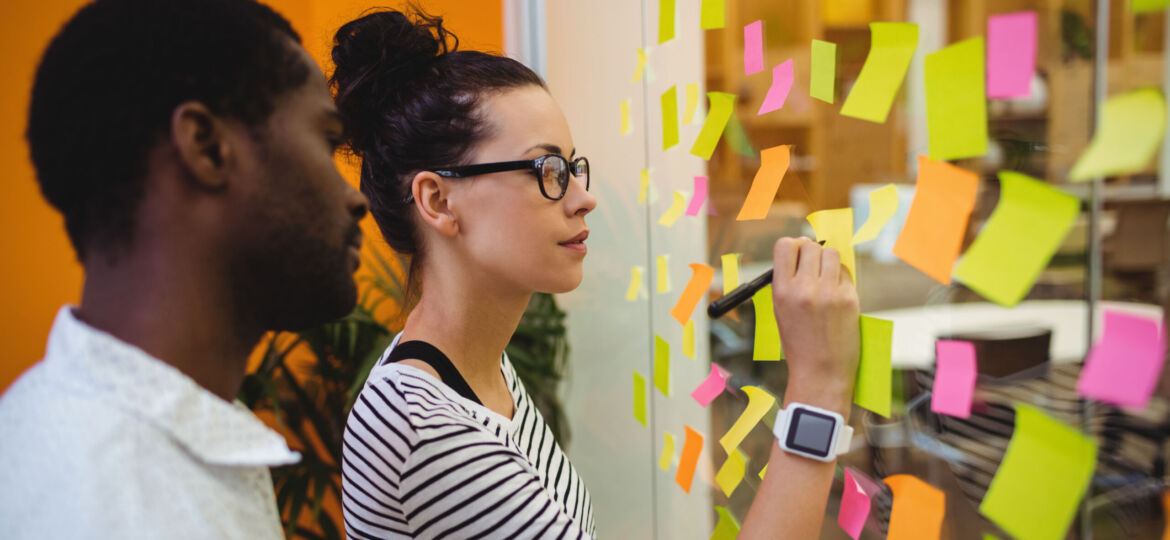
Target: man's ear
[200, 138]
[431, 194]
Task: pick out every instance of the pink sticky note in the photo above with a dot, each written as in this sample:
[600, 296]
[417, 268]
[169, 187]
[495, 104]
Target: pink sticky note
[699, 197]
[781, 84]
[712, 386]
[1011, 54]
[1124, 365]
[753, 48]
[954, 378]
[854, 507]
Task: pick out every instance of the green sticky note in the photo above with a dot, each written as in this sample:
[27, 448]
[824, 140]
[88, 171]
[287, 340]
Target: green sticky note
[669, 118]
[726, 528]
[767, 345]
[872, 389]
[891, 48]
[1130, 131]
[1146, 6]
[713, 15]
[737, 137]
[662, 365]
[1043, 476]
[640, 398]
[823, 74]
[1021, 236]
[956, 103]
[719, 112]
[665, 20]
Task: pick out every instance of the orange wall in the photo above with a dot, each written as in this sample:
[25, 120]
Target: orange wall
[40, 272]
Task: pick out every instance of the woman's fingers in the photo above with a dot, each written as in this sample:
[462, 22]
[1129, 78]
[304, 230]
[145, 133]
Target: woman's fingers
[808, 269]
[831, 266]
[785, 255]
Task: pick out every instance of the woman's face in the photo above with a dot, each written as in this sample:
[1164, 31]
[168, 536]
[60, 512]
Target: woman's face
[508, 229]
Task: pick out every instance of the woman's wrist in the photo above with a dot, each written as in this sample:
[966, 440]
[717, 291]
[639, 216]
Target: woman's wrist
[827, 392]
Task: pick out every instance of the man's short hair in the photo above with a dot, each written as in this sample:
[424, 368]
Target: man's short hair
[110, 80]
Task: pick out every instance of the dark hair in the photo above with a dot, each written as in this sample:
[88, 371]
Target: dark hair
[110, 79]
[410, 102]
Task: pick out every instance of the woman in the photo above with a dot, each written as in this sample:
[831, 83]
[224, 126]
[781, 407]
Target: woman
[470, 167]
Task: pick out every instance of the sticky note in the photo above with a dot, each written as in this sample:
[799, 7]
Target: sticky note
[1124, 366]
[665, 20]
[722, 105]
[635, 283]
[726, 528]
[1146, 6]
[753, 48]
[663, 273]
[763, 471]
[641, 69]
[874, 372]
[883, 204]
[767, 335]
[692, 103]
[854, 507]
[640, 398]
[774, 163]
[677, 206]
[937, 221]
[1043, 475]
[669, 118]
[1011, 54]
[1166, 512]
[712, 14]
[823, 70]
[781, 85]
[1128, 135]
[955, 374]
[737, 138]
[759, 402]
[918, 509]
[1018, 240]
[701, 277]
[645, 174]
[835, 229]
[699, 197]
[689, 339]
[956, 102]
[662, 365]
[731, 472]
[712, 386]
[626, 127]
[667, 456]
[730, 266]
[692, 447]
[892, 47]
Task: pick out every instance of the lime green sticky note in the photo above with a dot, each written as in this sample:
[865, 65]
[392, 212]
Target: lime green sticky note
[1043, 476]
[737, 137]
[726, 528]
[640, 398]
[731, 472]
[712, 15]
[763, 471]
[891, 48]
[1146, 6]
[1130, 131]
[665, 20]
[767, 345]
[719, 112]
[956, 102]
[823, 68]
[662, 365]
[669, 118]
[835, 228]
[1021, 236]
[872, 388]
[689, 339]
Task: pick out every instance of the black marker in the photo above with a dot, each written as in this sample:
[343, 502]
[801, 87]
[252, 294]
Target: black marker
[740, 294]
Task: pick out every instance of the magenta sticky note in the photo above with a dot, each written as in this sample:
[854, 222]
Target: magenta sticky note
[712, 386]
[753, 48]
[699, 197]
[781, 85]
[954, 378]
[854, 507]
[1124, 365]
[1011, 54]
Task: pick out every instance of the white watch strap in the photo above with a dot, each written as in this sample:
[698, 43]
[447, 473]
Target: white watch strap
[844, 440]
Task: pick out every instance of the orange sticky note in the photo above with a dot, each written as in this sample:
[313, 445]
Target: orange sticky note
[692, 447]
[773, 165]
[937, 221]
[918, 509]
[700, 279]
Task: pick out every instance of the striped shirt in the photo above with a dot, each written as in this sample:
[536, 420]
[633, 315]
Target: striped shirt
[421, 461]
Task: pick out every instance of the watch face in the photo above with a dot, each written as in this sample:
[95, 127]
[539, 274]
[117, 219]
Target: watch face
[811, 432]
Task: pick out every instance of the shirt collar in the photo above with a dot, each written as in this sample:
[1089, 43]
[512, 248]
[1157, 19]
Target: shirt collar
[215, 431]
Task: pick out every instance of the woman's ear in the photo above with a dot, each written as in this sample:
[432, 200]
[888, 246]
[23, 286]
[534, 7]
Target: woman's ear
[200, 138]
[431, 198]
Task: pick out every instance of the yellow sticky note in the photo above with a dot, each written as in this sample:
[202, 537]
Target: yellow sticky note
[677, 206]
[689, 339]
[663, 274]
[956, 101]
[712, 14]
[835, 228]
[883, 204]
[662, 365]
[641, 65]
[667, 456]
[701, 277]
[767, 341]
[730, 271]
[640, 398]
[692, 103]
[918, 508]
[1021, 236]
[635, 283]
[773, 165]
[763, 471]
[626, 127]
[726, 528]
[823, 70]
[891, 48]
[665, 20]
[1127, 138]
[1147, 6]
[645, 174]
[719, 112]
[732, 471]
[759, 402]
[873, 388]
[1042, 477]
[669, 102]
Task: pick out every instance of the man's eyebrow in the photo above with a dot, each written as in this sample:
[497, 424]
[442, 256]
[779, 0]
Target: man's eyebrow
[551, 148]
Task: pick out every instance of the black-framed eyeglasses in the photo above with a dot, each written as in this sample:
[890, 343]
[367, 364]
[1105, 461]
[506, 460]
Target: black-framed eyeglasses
[553, 170]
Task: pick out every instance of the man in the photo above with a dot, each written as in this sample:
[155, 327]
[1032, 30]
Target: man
[189, 145]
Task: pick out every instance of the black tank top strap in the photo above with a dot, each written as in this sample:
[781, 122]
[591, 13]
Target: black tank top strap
[421, 350]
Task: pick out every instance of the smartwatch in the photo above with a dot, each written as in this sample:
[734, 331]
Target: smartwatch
[812, 432]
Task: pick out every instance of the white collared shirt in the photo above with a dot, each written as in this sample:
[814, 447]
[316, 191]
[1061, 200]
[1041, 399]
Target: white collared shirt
[101, 440]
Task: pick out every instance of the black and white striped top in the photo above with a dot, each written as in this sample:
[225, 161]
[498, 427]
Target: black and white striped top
[421, 461]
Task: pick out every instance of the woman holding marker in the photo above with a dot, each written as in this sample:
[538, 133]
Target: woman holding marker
[470, 167]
